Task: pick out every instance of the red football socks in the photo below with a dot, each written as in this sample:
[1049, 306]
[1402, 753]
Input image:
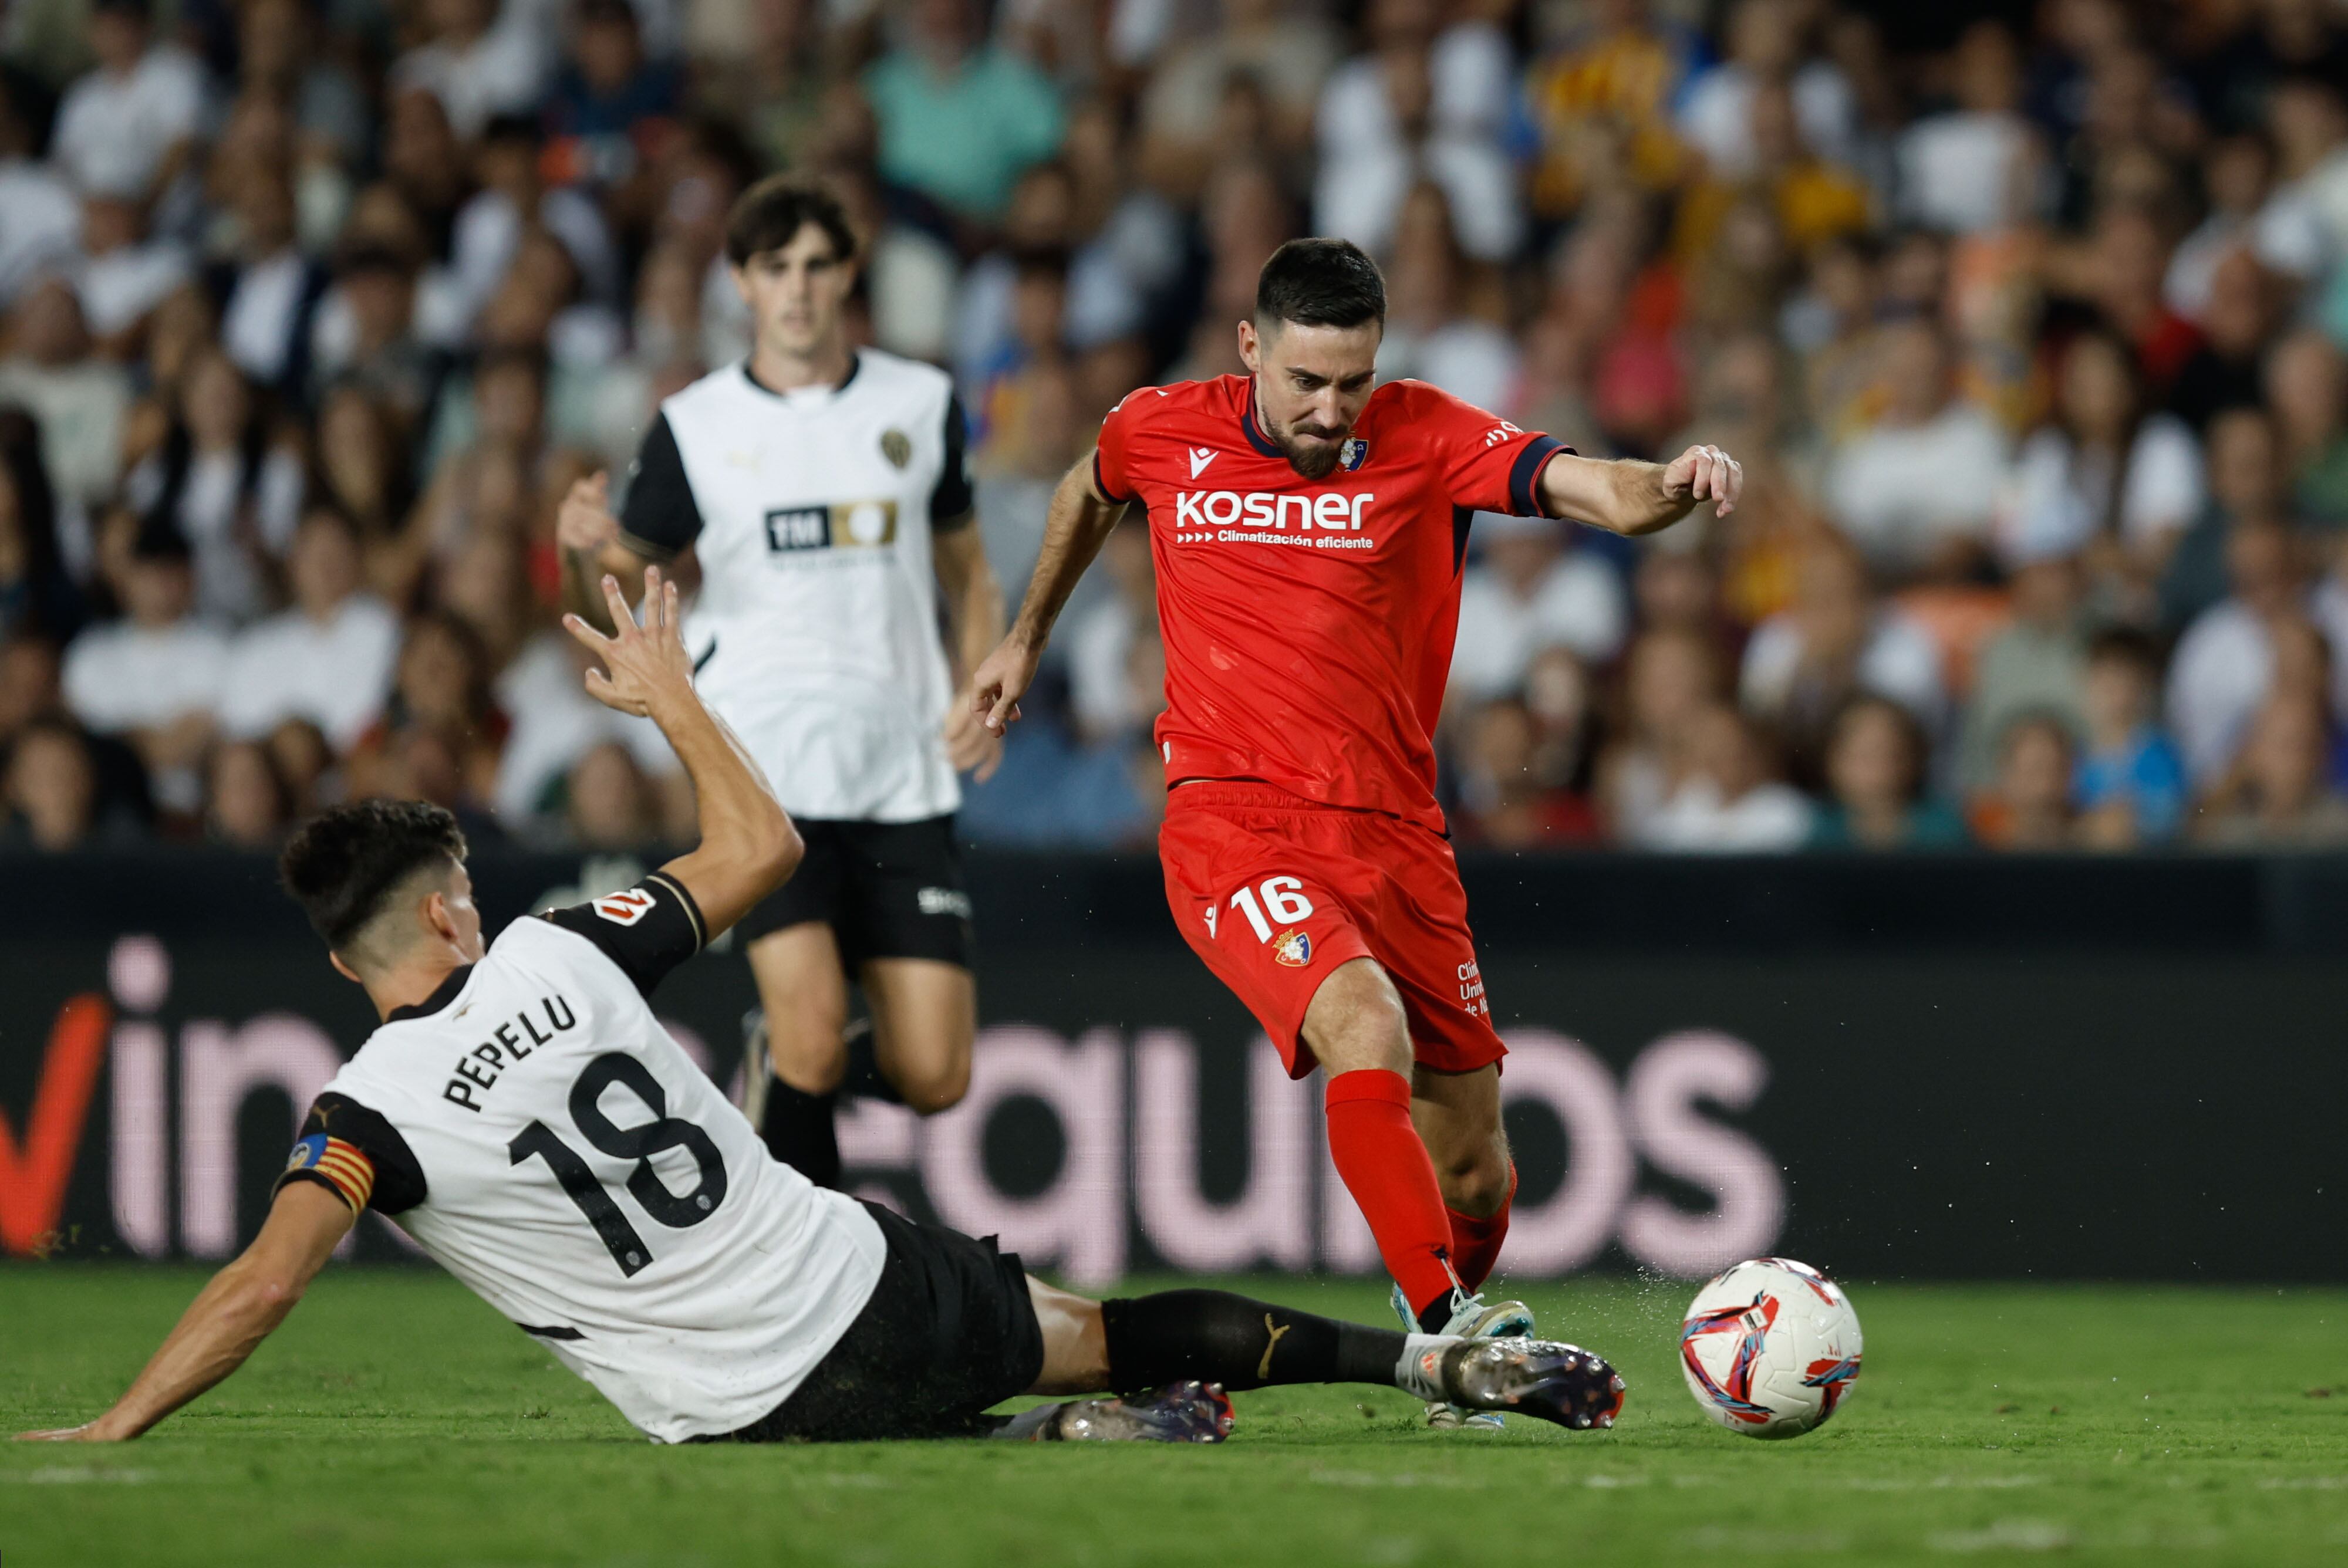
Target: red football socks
[1475, 1242]
[1386, 1168]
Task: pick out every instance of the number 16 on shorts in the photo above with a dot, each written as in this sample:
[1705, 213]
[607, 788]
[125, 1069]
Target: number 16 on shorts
[1272, 908]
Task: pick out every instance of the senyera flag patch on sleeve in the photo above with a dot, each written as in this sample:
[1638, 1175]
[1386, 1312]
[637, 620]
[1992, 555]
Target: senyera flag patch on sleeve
[350, 1172]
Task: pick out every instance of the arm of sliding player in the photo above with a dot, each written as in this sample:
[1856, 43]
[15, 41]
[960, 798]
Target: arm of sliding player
[749, 847]
[231, 1317]
[1081, 517]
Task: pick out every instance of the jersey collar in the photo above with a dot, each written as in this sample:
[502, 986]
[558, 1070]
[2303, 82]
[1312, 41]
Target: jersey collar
[855, 363]
[442, 995]
[1254, 432]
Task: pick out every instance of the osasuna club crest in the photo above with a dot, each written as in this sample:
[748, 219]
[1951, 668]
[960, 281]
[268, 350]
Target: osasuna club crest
[1353, 454]
[897, 446]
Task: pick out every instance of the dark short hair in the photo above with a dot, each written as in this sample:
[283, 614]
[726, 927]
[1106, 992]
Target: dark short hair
[769, 215]
[1320, 283]
[2124, 644]
[340, 867]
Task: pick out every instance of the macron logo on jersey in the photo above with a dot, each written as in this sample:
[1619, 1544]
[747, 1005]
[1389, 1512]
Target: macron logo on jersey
[1199, 457]
[624, 908]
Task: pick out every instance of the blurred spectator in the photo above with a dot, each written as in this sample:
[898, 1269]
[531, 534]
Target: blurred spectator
[1426, 102]
[1731, 799]
[482, 59]
[1915, 489]
[1978, 166]
[2223, 372]
[79, 399]
[1531, 592]
[2279, 796]
[1670, 680]
[328, 658]
[610, 108]
[1875, 763]
[2245, 486]
[2307, 389]
[127, 127]
[1835, 640]
[1431, 333]
[1503, 801]
[2220, 675]
[268, 290]
[1602, 103]
[366, 334]
[608, 805]
[30, 686]
[1766, 40]
[36, 592]
[2105, 466]
[1102, 697]
[958, 119]
[44, 222]
[441, 720]
[50, 787]
[2130, 786]
[2036, 665]
[122, 274]
[1279, 49]
[2029, 806]
[218, 481]
[246, 806]
[156, 677]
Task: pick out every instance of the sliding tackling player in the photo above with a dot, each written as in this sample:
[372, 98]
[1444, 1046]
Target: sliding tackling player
[524, 1117]
[823, 490]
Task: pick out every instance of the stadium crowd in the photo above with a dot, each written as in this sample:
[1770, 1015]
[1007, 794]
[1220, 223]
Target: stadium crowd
[2029, 329]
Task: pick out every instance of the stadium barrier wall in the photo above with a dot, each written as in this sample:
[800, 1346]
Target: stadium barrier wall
[1957, 1068]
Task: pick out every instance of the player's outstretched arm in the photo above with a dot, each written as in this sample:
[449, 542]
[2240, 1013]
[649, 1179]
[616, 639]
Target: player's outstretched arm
[749, 847]
[1635, 497]
[1080, 521]
[229, 1318]
[973, 601]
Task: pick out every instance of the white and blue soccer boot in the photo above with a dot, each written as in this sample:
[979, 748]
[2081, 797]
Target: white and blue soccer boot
[1470, 1319]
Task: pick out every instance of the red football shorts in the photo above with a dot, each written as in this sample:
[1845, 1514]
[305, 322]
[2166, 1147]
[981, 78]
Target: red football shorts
[1275, 893]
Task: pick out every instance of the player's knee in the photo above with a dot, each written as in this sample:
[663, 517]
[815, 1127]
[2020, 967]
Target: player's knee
[926, 1092]
[1356, 1021]
[1475, 1180]
[804, 1047]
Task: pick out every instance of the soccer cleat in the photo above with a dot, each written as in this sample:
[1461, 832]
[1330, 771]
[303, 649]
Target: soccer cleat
[1470, 1319]
[1192, 1412]
[1559, 1383]
[756, 1073]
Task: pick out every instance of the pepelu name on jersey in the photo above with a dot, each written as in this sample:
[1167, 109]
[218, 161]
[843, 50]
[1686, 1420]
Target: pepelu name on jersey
[481, 1067]
[1271, 509]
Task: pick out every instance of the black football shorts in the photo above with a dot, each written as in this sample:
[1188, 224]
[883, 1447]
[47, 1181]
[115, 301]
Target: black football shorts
[887, 889]
[950, 1333]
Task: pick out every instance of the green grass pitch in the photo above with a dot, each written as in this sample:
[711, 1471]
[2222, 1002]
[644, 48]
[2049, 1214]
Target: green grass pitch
[395, 1420]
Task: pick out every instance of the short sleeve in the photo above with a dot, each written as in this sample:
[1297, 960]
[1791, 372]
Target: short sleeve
[952, 504]
[1488, 464]
[1109, 452]
[647, 930]
[357, 1155]
[659, 519]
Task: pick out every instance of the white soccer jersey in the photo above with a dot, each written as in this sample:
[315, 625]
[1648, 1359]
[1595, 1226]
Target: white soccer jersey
[543, 1139]
[815, 634]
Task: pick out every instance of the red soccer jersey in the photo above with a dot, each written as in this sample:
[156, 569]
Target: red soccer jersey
[1308, 625]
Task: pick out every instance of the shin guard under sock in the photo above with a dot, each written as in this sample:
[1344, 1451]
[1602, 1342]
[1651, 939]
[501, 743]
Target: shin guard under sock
[1476, 1242]
[1378, 1154]
[1219, 1337]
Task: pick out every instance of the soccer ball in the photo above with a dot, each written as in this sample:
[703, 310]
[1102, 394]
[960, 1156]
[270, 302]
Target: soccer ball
[1770, 1347]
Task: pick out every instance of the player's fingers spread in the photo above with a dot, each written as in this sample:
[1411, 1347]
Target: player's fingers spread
[623, 619]
[654, 601]
[675, 622]
[585, 634]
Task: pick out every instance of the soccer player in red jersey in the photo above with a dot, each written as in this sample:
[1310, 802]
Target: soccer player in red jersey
[1308, 528]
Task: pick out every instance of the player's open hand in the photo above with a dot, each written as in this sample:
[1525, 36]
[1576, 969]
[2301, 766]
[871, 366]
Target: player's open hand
[1704, 474]
[585, 522]
[1001, 681]
[970, 746]
[647, 663]
[87, 1433]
